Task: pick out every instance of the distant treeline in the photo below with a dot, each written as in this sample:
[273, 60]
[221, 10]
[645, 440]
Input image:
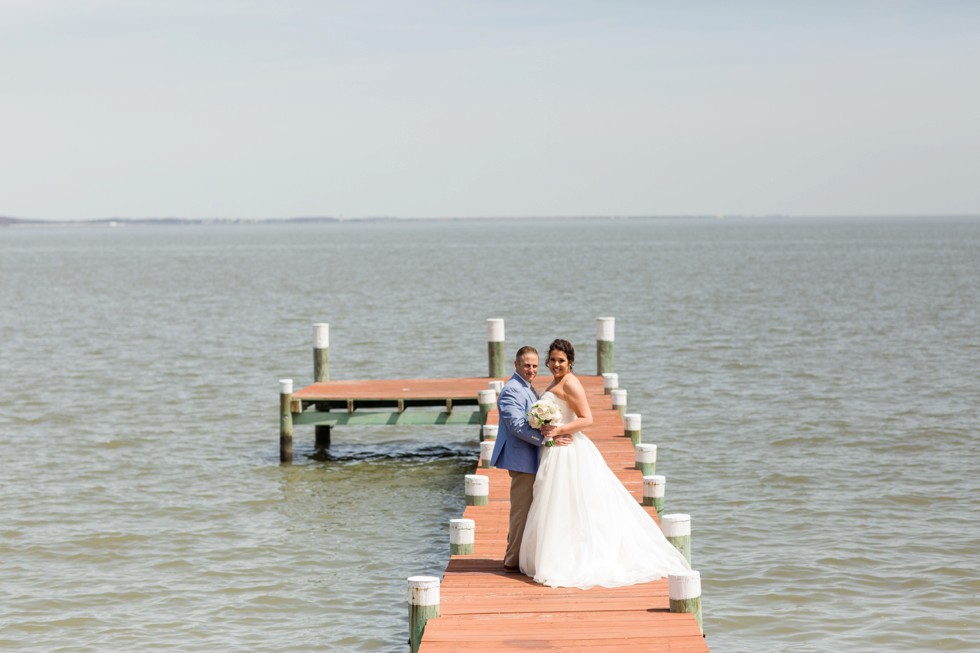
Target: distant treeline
[104, 222]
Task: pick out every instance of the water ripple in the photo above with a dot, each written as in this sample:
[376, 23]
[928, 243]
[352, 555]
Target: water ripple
[811, 386]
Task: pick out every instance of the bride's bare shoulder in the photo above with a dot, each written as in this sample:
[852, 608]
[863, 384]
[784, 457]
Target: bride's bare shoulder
[572, 383]
[568, 387]
[574, 390]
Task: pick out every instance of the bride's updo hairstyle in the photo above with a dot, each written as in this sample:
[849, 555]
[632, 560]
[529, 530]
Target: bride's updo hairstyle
[563, 345]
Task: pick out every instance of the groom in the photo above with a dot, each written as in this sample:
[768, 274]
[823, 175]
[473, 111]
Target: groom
[518, 446]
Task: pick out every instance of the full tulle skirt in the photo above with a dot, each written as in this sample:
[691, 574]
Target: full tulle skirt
[585, 529]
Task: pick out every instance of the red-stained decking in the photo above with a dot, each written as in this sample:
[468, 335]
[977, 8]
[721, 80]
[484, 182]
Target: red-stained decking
[464, 389]
[485, 609]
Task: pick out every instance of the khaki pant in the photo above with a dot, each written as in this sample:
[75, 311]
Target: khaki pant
[521, 495]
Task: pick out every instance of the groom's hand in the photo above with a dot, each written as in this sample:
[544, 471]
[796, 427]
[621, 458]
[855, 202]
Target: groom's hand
[563, 440]
[548, 431]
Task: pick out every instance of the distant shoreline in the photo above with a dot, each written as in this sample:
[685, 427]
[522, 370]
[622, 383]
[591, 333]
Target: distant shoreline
[128, 222]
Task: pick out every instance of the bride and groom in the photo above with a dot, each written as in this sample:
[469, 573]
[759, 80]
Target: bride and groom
[572, 523]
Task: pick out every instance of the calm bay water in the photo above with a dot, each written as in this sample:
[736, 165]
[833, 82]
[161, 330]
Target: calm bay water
[813, 386]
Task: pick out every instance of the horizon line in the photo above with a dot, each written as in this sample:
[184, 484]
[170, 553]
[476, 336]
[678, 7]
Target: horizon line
[8, 221]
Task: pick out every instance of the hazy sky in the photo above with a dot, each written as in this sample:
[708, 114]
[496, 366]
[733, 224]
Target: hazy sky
[281, 108]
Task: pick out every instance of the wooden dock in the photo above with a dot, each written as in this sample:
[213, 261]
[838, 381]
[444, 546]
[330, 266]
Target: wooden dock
[482, 607]
[333, 403]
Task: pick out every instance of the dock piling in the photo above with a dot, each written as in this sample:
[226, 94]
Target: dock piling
[677, 530]
[653, 492]
[488, 401]
[477, 490]
[321, 374]
[605, 334]
[684, 590]
[321, 352]
[423, 604]
[631, 424]
[321, 436]
[285, 421]
[488, 433]
[486, 452]
[461, 536]
[646, 458]
[610, 382]
[495, 347]
[619, 400]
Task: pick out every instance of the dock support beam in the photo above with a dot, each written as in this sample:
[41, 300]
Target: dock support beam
[605, 334]
[495, 348]
[285, 421]
[423, 604]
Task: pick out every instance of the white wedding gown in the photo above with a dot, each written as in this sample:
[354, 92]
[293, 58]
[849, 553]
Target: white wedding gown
[584, 528]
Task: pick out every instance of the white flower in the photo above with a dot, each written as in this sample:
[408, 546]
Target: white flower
[543, 412]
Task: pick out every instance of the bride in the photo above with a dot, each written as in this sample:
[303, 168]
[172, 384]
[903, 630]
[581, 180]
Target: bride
[584, 528]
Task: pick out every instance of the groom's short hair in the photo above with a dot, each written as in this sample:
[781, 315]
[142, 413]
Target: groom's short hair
[526, 349]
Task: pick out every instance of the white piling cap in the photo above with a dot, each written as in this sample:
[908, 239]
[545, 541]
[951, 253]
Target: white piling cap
[676, 524]
[496, 386]
[285, 386]
[684, 585]
[632, 421]
[495, 330]
[321, 336]
[618, 397]
[461, 531]
[477, 485]
[605, 329]
[462, 524]
[423, 590]
[646, 453]
[654, 486]
[490, 431]
[486, 451]
[610, 380]
[486, 397]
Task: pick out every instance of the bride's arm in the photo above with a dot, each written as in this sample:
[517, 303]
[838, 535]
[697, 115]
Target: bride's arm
[577, 401]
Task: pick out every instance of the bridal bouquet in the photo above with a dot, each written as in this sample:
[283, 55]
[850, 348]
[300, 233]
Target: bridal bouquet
[544, 412]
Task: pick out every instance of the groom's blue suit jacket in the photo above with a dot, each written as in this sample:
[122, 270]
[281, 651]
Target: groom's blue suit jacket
[518, 444]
